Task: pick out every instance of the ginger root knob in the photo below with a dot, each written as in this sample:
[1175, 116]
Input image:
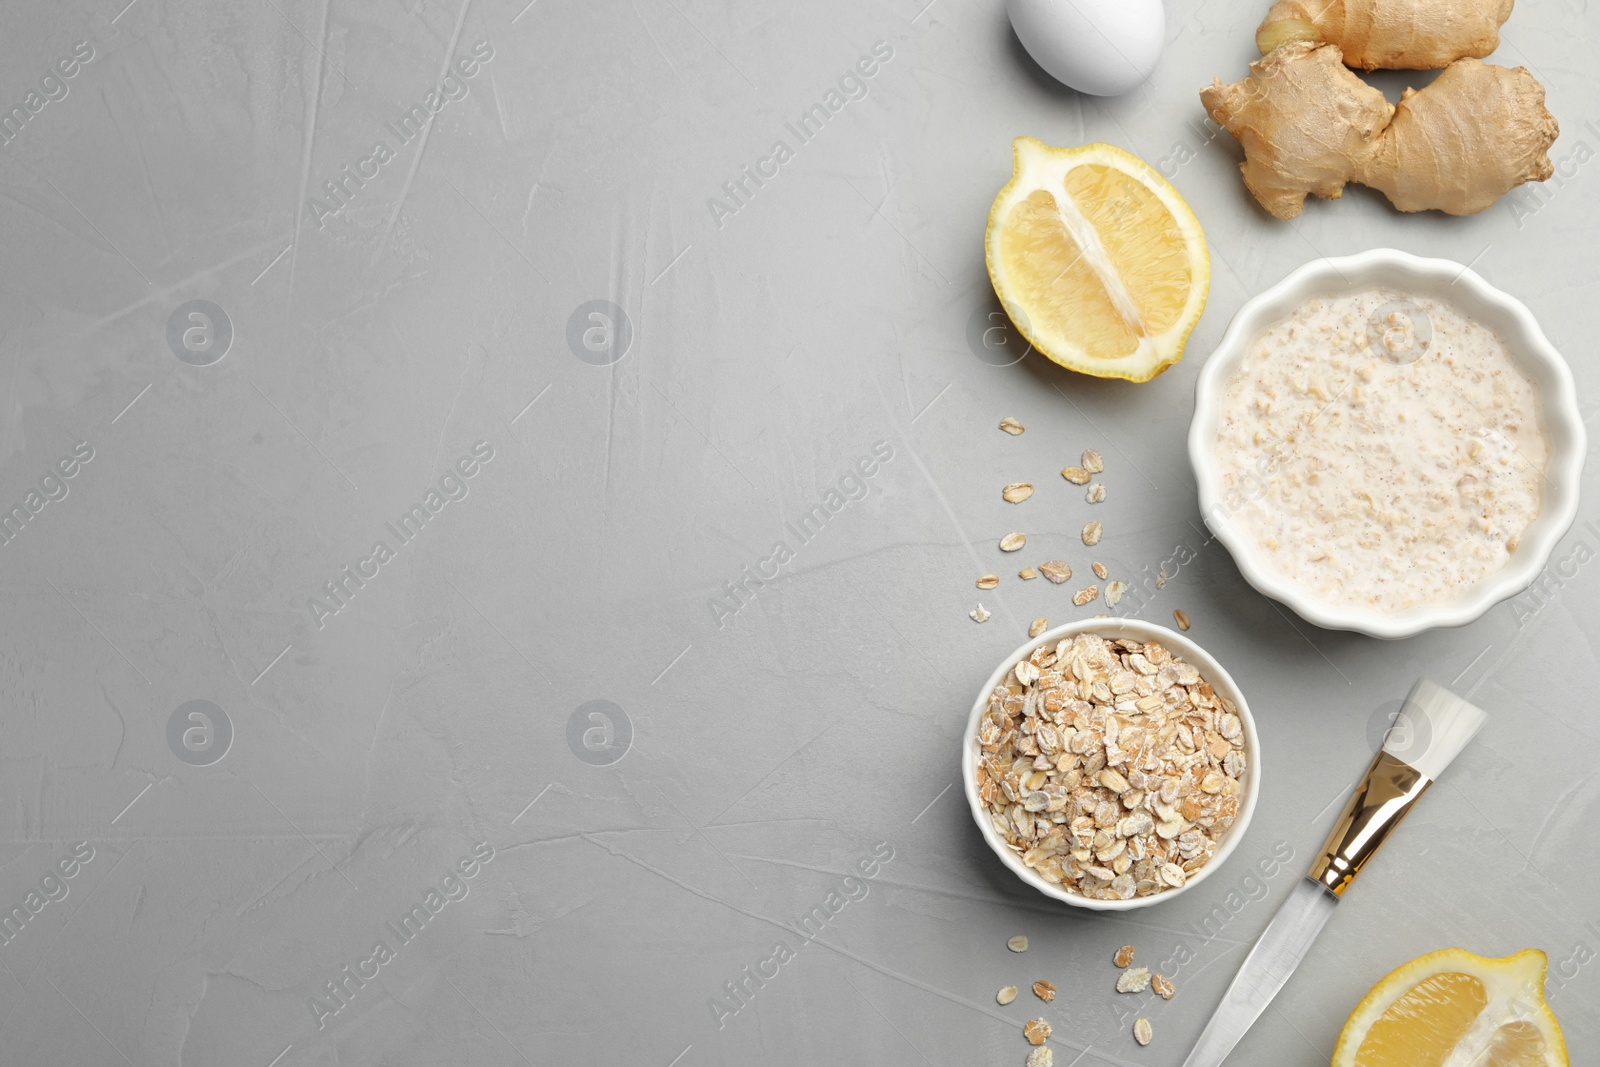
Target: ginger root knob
[1273, 34]
[1304, 120]
[1461, 143]
[1394, 34]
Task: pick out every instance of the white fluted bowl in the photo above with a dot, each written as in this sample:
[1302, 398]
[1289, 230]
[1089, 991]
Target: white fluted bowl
[1444, 280]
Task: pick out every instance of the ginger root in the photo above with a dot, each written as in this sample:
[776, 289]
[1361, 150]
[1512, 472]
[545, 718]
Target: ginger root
[1390, 34]
[1303, 119]
[1474, 134]
[1310, 125]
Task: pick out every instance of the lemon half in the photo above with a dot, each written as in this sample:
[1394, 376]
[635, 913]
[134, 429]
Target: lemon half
[1452, 1008]
[1097, 259]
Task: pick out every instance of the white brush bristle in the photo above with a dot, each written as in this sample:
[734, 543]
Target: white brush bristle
[1432, 728]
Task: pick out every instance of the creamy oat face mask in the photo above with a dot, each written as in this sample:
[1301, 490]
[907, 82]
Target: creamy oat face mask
[1381, 449]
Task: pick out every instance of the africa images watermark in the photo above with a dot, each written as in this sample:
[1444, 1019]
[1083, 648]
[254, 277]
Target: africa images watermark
[1250, 889]
[1566, 969]
[1542, 591]
[851, 486]
[53, 486]
[741, 991]
[342, 989]
[199, 732]
[599, 732]
[1147, 583]
[52, 88]
[852, 86]
[1531, 198]
[1206, 131]
[599, 332]
[52, 889]
[199, 332]
[337, 594]
[352, 178]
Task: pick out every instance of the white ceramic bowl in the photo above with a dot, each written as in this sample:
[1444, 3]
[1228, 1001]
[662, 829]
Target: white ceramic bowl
[1478, 300]
[1133, 630]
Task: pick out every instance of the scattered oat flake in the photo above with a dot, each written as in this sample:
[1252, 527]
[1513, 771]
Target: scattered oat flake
[977, 614]
[1124, 956]
[1075, 475]
[1018, 943]
[1036, 1030]
[1133, 980]
[1092, 461]
[1114, 590]
[988, 581]
[1096, 493]
[1180, 618]
[1141, 1031]
[1085, 595]
[1041, 1057]
[1027, 574]
[1163, 986]
[1011, 426]
[1016, 492]
[1056, 570]
[1007, 994]
[1039, 626]
[1099, 570]
[1044, 990]
[1013, 541]
[1091, 534]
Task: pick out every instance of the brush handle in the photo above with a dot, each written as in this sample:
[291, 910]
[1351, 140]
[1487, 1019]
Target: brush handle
[1387, 792]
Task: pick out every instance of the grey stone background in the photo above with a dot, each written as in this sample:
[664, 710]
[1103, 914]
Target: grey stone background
[744, 762]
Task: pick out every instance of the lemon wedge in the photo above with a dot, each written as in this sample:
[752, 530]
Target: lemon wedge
[1097, 259]
[1453, 1008]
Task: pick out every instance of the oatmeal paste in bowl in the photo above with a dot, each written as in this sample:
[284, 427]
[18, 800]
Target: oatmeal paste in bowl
[1385, 450]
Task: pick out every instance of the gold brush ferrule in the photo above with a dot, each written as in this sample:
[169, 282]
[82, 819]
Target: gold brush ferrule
[1383, 798]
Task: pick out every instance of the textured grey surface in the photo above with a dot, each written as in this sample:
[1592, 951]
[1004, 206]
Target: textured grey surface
[769, 749]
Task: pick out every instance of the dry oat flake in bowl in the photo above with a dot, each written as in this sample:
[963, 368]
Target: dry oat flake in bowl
[1110, 766]
[1382, 450]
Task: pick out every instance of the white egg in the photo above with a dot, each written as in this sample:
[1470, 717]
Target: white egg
[1100, 47]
